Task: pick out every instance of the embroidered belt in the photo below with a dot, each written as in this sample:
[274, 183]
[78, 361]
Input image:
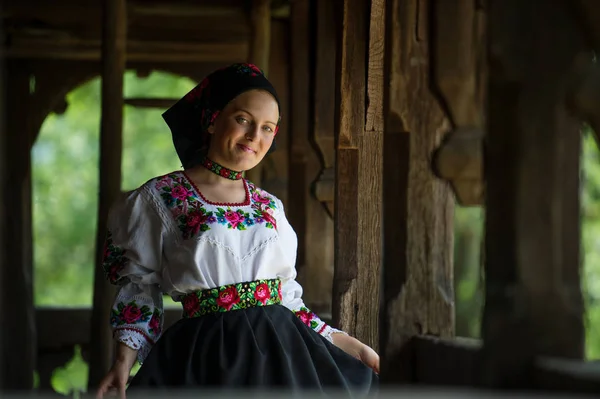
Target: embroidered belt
[232, 297]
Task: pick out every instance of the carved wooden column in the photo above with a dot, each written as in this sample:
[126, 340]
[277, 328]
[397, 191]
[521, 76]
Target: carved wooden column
[459, 47]
[359, 167]
[532, 149]
[260, 48]
[111, 127]
[299, 122]
[418, 294]
[324, 16]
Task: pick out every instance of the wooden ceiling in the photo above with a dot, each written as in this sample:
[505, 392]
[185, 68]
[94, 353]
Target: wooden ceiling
[158, 30]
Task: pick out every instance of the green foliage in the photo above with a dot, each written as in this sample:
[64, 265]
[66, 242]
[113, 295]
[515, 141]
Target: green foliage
[71, 379]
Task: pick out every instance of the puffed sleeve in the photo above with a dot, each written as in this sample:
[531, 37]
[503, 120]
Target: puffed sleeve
[133, 261]
[291, 290]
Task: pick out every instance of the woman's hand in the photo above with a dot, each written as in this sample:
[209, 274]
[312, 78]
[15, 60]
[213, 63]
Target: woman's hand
[117, 377]
[355, 348]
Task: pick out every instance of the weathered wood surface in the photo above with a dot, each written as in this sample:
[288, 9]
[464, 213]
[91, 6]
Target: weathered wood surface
[299, 122]
[260, 51]
[459, 50]
[111, 129]
[533, 295]
[359, 168]
[418, 296]
[324, 50]
[275, 166]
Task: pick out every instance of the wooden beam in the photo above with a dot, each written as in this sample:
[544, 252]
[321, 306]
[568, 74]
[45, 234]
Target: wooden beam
[140, 51]
[111, 128]
[260, 50]
[359, 168]
[418, 294]
[162, 103]
[533, 303]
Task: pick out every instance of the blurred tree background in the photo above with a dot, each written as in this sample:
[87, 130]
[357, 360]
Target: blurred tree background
[65, 184]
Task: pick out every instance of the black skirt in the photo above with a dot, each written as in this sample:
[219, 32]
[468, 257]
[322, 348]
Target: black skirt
[260, 347]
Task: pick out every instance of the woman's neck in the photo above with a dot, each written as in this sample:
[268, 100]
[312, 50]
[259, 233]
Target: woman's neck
[202, 175]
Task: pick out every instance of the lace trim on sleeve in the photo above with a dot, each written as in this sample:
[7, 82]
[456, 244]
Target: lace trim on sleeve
[135, 340]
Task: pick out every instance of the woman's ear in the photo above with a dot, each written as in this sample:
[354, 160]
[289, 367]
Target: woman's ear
[211, 128]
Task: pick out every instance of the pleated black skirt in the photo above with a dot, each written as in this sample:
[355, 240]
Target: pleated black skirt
[260, 347]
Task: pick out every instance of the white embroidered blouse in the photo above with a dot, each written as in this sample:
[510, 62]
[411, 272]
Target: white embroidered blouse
[165, 237]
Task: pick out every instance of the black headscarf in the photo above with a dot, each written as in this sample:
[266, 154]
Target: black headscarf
[191, 116]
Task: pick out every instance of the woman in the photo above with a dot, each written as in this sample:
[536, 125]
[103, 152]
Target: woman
[223, 248]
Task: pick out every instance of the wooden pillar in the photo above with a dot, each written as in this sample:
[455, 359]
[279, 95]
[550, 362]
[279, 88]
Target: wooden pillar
[113, 58]
[325, 47]
[275, 168]
[4, 210]
[20, 339]
[533, 301]
[359, 168]
[418, 294]
[299, 122]
[260, 46]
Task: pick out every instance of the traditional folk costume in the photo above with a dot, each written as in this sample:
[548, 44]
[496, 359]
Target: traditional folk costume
[232, 267]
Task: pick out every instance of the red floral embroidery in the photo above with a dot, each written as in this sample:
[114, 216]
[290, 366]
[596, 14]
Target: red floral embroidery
[228, 297]
[191, 304]
[262, 293]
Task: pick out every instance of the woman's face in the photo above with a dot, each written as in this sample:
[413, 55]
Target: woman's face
[244, 130]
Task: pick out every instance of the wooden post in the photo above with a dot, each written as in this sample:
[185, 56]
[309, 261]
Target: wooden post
[359, 168]
[18, 312]
[299, 119]
[260, 46]
[533, 301]
[4, 210]
[113, 48]
[418, 289]
[325, 49]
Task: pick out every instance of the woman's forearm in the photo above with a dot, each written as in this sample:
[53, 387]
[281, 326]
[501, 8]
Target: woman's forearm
[126, 355]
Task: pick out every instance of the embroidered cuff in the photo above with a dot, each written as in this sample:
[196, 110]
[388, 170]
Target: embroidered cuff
[134, 340]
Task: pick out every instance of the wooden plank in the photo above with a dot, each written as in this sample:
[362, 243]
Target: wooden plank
[260, 50]
[111, 128]
[418, 295]
[533, 302]
[162, 103]
[359, 168]
[140, 51]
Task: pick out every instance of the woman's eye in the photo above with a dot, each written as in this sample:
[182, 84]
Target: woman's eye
[268, 129]
[241, 120]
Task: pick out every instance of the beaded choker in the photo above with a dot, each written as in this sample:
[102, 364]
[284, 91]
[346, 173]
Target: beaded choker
[221, 170]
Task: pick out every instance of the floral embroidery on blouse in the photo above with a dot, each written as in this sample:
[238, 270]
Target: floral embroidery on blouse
[193, 216]
[232, 297]
[154, 326]
[113, 261]
[130, 313]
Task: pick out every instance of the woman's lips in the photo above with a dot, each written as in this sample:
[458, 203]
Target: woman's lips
[246, 149]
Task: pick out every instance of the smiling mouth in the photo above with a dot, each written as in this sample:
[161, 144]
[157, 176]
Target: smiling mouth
[246, 149]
